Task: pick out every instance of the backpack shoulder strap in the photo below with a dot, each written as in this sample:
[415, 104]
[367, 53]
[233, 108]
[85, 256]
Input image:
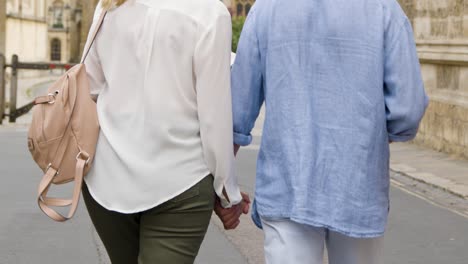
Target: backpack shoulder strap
[89, 44]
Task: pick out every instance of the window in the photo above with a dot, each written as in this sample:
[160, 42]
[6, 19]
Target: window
[58, 19]
[247, 9]
[240, 9]
[56, 11]
[56, 50]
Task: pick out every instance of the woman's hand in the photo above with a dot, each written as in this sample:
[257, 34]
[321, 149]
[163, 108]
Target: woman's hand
[230, 216]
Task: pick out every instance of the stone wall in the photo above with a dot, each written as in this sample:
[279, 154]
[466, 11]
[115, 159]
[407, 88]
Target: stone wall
[88, 7]
[2, 26]
[240, 7]
[26, 38]
[26, 30]
[441, 31]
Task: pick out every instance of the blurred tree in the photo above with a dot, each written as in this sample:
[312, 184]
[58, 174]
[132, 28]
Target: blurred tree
[237, 24]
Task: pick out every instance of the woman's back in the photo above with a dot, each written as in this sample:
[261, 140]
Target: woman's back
[148, 66]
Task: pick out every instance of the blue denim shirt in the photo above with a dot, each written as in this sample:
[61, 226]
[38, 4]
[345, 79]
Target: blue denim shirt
[340, 79]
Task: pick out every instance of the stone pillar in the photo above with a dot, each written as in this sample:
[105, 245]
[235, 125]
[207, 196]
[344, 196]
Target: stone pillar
[2, 26]
[441, 32]
[87, 19]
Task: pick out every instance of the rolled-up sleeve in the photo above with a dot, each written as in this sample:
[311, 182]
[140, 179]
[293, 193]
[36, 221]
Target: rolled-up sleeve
[212, 62]
[246, 80]
[405, 97]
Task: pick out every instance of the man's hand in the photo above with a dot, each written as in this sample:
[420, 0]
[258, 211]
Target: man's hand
[230, 216]
[246, 201]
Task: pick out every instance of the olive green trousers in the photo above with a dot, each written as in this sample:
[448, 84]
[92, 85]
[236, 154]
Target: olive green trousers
[170, 233]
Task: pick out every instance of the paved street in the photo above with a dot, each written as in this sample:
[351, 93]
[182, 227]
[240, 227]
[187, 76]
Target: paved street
[420, 231]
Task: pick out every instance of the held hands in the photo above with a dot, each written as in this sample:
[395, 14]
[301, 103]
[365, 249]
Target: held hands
[230, 216]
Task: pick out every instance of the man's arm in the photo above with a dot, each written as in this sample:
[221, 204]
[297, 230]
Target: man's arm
[405, 98]
[247, 100]
[247, 83]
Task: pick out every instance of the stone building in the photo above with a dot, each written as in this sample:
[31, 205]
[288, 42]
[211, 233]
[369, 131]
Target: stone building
[239, 7]
[64, 28]
[25, 29]
[2, 26]
[441, 31]
[40, 30]
[88, 7]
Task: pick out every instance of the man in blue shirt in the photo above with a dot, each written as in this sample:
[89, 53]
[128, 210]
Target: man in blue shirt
[340, 80]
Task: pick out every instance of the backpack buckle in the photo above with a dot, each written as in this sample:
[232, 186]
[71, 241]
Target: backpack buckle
[52, 97]
[83, 156]
[50, 166]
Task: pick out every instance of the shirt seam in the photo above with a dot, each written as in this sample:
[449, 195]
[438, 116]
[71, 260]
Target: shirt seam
[401, 29]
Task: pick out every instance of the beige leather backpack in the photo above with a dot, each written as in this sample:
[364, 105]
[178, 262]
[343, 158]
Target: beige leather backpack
[63, 135]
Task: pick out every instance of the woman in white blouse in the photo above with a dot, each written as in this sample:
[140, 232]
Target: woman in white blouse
[161, 70]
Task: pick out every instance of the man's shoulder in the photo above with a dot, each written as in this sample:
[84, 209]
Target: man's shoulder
[393, 9]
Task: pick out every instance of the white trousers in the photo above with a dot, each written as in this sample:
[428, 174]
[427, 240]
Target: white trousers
[287, 242]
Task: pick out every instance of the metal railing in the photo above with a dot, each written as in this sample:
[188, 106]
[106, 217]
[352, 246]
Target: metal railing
[15, 112]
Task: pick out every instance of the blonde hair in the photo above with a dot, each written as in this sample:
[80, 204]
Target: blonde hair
[107, 4]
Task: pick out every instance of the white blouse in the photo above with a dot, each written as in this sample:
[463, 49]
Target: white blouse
[162, 72]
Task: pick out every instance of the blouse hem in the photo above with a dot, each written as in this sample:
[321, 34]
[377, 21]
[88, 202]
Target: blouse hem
[143, 208]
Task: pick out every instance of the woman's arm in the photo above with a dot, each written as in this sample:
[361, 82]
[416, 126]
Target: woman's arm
[212, 72]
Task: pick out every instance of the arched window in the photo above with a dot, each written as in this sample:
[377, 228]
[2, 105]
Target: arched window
[240, 9]
[56, 50]
[247, 9]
